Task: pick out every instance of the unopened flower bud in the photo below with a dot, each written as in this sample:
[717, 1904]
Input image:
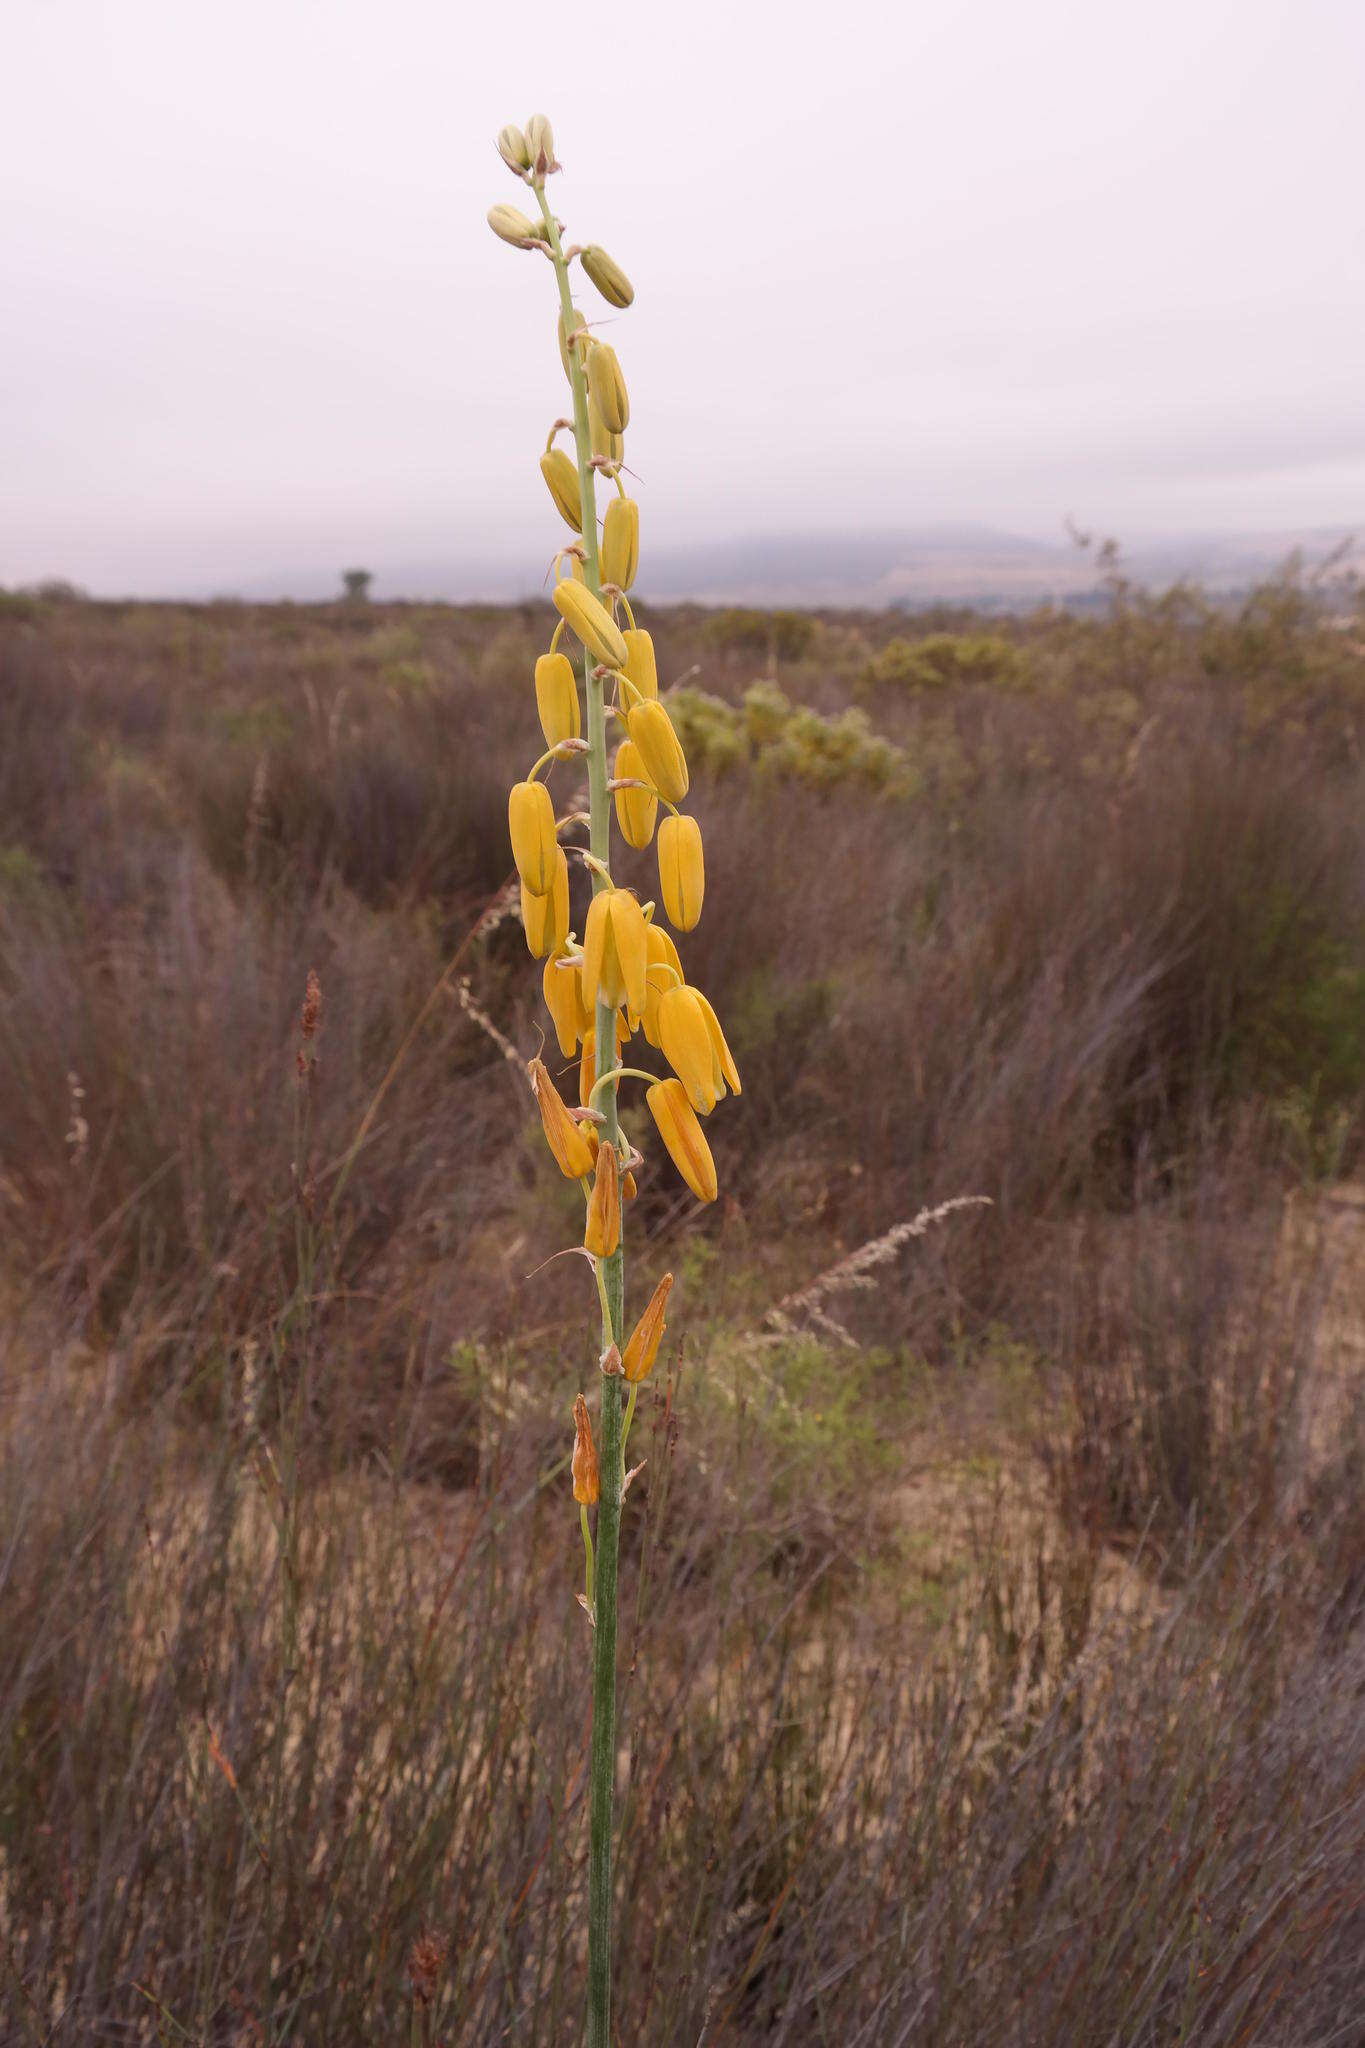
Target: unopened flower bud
[561, 475]
[607, 446]
[540, 145]
[586, 1482]
[570, 1141]
[512, 148]
[602, 1229]
[636, 809]
[557, 700]
[645, 1338]
[589, 618]
[531, 824]
[682, 870]
[651, 728]
[608, 387]
[682, 1134]
[615, 287]
[609, 1364]
[579, 321]
[512, 225]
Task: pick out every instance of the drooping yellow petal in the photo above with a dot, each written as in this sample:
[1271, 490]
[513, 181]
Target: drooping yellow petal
[630, 936]
[564, 1002]
[636, 809]
[531, 826]
[663, 957]
[682, 1134]
[682, 870]
[608, 387]
[686, 1045]
[545, 919]
[725, 1063]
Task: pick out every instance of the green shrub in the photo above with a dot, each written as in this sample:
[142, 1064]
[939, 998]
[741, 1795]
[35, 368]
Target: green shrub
[943, 659]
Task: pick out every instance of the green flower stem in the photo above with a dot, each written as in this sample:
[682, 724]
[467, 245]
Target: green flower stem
[603, 1759]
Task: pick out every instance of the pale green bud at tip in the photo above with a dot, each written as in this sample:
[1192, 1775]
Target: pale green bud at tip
[540, 144]
[512, 148]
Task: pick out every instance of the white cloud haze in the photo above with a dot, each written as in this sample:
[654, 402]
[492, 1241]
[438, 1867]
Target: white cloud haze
[894, 267]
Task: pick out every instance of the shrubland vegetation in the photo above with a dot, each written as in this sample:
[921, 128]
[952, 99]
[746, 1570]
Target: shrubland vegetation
[992, 1654]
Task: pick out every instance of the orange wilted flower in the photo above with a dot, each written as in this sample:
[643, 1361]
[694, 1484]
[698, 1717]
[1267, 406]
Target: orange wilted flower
[566, 1137]
[602, 1232]
[585, 1477]
[645, 1338]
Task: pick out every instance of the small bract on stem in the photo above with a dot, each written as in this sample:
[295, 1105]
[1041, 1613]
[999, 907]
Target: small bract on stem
[624, 975]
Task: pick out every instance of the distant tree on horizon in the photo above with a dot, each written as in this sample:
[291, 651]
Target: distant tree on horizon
[356, 583]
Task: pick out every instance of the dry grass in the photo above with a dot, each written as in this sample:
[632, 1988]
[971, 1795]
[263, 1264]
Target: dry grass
[293, 1694]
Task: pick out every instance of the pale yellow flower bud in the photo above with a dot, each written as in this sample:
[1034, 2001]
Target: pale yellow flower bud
[510, 224]
[610, 447]
[512, 148]
[682, 1134]
[636, 809]
[682, 871]
[727, 1071]
[645, 1338]
[531, 824]
[540, 145]
[557, 699]
[579, 320]
[615, 287]
[608, 387]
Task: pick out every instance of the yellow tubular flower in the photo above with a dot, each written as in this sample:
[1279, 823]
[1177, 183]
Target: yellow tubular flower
[682, 871]
[564, 1003]
[611, 447]
[586, 1478]
[682, 1134]
[570, 1141]
[686, 1045]
[636, 809]
[651, 728]
[615, 952]
[725, 1062]
[545, 919]
[663, 954]
[557, 699]
[640, 667]
[589, 618]
[645, 1338]
[561, 474]
[621, 543]
[531, 825]
[602, 1230]
[608, 387]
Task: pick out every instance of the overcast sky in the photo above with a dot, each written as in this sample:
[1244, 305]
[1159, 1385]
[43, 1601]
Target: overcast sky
[895, 265]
